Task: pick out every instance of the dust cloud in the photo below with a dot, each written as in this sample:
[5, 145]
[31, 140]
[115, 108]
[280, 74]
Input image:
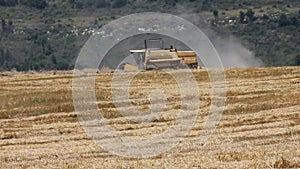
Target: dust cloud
[234, 55]
[231, 51]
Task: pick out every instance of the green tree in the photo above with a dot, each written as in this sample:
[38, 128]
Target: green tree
[297, 60]
[72, 3]
[216, 14]
[2, 3]
[41, 41]
[38, 4]
[283, 20]
[10, 27]
[119, 3]
[53, 59]
[79, 5]
[102, 4]
[242, 17]
[63, 66]
[3, 25]
[11, 3]
[250, 15]
[10, 23]
[295, 21]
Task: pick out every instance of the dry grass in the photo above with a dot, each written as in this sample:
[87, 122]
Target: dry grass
[260, 126]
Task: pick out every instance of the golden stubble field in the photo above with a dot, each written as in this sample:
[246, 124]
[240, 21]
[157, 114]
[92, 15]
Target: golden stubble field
[260, 126]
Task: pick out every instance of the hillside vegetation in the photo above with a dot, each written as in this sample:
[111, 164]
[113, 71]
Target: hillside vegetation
[48, 34]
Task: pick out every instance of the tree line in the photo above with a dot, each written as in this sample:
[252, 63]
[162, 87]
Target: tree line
[38, 4]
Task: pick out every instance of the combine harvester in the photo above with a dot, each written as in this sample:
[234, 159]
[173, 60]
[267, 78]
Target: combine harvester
[159, 58]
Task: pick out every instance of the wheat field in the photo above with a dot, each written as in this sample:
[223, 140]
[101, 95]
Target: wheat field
[260, 126]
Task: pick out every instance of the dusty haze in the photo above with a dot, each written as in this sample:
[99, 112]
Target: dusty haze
[232, 53]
